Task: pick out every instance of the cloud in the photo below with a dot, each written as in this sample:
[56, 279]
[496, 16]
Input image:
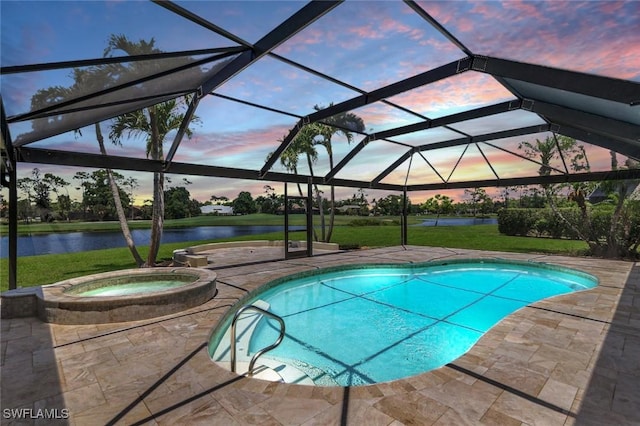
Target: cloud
[242, 149]
[371, 46]
[592, 37]
[461, 92]
[379, 116]
[366, 31]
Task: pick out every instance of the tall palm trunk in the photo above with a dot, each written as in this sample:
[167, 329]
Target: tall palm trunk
[157, 218]
[157, 215]
[318, 200]
[295, 171]
[124, 225]
[332, 215]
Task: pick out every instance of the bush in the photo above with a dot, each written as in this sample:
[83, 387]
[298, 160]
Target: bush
[546, 223]
[517, 221]
[539, 222]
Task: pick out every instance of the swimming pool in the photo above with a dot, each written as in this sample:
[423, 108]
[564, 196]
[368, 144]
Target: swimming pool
[375, 323]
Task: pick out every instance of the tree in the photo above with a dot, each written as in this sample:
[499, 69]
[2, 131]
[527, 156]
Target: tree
[244, 204]
[64, 206]
[37, 190]
[83, 178]
[117, 201]
[97, 194]
[559, 148]
[304, 144]
[344, 123]
[152, 123]
[269, 202]
[391, 205]
[622, 237]
[178, 203]
[131, 184]
[479, 200]
[56, 183]
[439, 204]
[24, 210]
[615, 240]
[218, 199]
[94, 78]
[155, 121]
[24, 206]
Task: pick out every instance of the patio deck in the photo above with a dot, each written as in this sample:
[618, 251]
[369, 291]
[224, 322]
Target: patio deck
[569, 360]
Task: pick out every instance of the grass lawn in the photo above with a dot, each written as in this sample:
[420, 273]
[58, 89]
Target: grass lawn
[48, 269]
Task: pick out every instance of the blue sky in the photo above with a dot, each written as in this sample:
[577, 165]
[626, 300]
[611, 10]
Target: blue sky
[367, 44]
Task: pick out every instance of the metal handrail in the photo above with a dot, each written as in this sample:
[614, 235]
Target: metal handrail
[263, 350]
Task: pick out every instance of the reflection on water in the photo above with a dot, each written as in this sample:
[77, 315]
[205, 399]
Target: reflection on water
[73, 242]
[459, 221]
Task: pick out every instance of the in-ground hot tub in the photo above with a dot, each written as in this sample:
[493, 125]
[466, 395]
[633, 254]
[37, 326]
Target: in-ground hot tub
[126, 295]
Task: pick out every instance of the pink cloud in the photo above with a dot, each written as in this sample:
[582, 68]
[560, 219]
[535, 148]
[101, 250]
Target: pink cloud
[462, 91]
[465, 25]
[436, 9]
[312, 36]
[439, 45]
[523, 10]
[366, 31]
[485, 9]
[610, 7]
[221, 148]
[592, 37]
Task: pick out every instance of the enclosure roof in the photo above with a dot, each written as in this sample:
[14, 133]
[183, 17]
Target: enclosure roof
[448, 91]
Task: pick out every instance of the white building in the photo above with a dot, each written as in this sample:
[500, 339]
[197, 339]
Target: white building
[217, 209]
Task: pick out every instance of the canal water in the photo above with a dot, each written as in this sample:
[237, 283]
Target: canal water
[72, 242]
[460, 221]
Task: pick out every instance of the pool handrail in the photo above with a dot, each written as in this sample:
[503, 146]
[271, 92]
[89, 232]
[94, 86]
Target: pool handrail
[263, 350]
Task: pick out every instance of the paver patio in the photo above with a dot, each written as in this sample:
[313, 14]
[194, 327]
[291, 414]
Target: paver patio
[573, 359]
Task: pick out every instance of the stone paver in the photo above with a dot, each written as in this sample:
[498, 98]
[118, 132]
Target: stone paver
[572, 359]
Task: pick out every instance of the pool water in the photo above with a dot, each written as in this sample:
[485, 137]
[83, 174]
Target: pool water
[362, 326]
[133, 288]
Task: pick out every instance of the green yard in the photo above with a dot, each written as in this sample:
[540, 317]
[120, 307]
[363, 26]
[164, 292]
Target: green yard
[47, 269]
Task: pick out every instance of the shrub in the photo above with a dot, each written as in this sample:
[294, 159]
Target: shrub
[516, 221]
[624, 241]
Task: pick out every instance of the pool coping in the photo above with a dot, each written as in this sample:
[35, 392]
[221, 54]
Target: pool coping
[59, 303]
[572, 359]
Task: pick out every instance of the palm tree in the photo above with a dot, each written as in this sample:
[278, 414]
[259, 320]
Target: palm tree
[92, 79]
[154, 123]
[335, 124]
[566, 148]
[303, 144]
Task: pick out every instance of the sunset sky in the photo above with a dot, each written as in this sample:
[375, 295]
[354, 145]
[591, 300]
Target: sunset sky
[366, 44]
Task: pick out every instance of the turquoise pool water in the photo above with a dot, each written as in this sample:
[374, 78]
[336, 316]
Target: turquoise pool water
[133, 288]
[360, 326]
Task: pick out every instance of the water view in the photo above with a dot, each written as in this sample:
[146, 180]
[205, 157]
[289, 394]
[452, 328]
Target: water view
[460, 221]
[72, 242]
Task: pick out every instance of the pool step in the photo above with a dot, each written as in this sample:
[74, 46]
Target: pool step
[271, 370]
[266, 368]
[245, 326]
